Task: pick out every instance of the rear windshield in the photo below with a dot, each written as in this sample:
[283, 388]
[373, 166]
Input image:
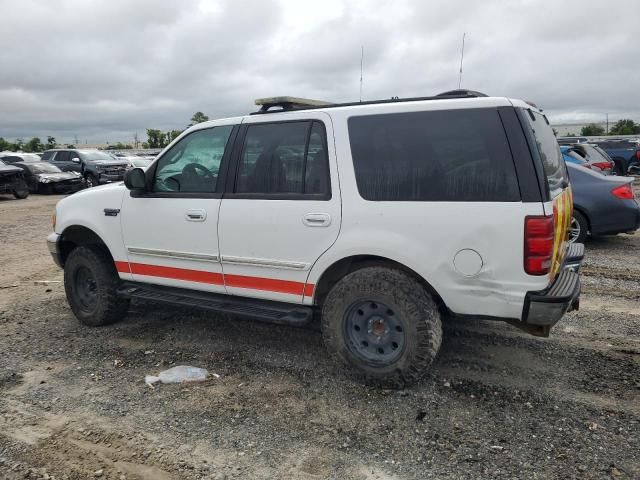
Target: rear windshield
[448, 155]
[546, 151]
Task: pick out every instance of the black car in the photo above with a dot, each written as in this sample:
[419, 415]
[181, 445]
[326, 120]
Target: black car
[12, 181]
[42, 177]
[96, 167]
[602, 205]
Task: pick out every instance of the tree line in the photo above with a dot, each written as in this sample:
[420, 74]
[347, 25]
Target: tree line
[155, 139]
[625, 126]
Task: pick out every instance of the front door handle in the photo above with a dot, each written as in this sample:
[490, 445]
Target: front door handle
[195, 215]
[317, 220]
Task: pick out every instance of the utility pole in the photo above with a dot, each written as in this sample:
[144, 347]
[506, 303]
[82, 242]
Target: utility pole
[461, 59]
[135, 139]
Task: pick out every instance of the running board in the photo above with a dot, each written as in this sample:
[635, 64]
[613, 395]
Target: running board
[264, 310]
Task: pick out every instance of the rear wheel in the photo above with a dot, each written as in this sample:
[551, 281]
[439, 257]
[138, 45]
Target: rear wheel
[22, 189]
[579, 228]
[91, 282]
[383, 324]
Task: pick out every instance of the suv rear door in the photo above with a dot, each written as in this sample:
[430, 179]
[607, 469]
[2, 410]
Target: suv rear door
[281, 209]
[558, 196]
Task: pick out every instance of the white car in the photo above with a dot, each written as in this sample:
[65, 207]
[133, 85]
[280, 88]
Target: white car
[385, 217]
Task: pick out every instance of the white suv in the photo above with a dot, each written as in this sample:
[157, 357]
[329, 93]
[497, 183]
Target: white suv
[386, 217]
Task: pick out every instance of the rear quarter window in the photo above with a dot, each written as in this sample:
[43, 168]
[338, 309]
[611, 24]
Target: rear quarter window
[448, 155]
[545, 150]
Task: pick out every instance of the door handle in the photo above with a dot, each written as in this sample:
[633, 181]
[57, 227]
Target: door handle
[317, 220]
[195, 215]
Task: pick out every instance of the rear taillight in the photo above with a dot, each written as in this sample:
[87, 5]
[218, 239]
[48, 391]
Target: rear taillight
[624, 192]
[602, 165]
[538, 244]
[638, 154]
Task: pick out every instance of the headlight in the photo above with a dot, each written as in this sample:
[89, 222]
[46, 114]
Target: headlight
[45, 180]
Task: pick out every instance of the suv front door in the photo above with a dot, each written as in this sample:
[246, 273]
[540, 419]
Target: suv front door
[62, 160]
[170, 231]
[281, 208]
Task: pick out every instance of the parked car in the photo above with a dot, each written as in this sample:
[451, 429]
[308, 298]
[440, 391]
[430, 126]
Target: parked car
[381, 217]
[625, 153]
[571, 140]
[572, 157]
[601, 205]
[96, 167]
[14, 157]
[42, 177]
[12, 181]
[597, 161]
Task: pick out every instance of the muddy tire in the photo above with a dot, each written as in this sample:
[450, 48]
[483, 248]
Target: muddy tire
[578, 228]
[22, 190]
[91, 180]
[91, 282]
[383, 324]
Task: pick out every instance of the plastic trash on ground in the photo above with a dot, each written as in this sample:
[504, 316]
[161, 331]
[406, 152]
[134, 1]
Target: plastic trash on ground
[179, 374]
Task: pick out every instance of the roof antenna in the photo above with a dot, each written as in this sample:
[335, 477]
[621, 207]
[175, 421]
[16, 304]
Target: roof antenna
[461, 59]
[361, 59]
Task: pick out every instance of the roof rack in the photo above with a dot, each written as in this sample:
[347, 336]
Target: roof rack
[295, 103]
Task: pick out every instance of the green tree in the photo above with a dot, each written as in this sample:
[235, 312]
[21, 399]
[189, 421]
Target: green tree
[625, 126]
[156, 138]
[145, 145]
[172, 135]
[19, 145]
[198, 117]
[570, 134]
[34, 145]
[71, 146]
[51, 142]
[592, 130]
[4, 145]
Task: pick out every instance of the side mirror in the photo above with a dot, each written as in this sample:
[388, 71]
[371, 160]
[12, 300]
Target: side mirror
[135, 179]
[75, 160]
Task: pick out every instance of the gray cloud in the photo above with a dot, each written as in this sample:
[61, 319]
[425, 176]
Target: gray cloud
[104, 70]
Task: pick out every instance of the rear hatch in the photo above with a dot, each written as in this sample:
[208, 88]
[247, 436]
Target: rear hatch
[555, 185]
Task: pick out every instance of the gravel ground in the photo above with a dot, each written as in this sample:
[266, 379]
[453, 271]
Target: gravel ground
[497, 404]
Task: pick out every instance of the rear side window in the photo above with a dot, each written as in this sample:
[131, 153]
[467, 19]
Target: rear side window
[63, 156]
[284, 158]
[47, 155]
[449, 155]
[545, 150]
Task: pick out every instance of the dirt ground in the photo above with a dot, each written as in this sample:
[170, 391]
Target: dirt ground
[497, 404]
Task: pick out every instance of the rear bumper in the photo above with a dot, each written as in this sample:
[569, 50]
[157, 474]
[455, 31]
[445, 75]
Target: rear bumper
[545, 308]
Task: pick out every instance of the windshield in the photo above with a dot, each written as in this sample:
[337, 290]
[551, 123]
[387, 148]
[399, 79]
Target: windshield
[30, 157]
[42, 167]
[96, 156]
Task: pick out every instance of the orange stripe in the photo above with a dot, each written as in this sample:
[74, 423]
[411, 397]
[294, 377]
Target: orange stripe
[239, 281]
[268, 284]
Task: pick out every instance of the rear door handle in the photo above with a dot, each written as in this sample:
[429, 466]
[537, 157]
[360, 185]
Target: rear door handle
[317, 220]
[195, 215]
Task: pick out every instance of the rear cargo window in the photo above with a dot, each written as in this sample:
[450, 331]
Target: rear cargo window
[545, 149]
[449, 155]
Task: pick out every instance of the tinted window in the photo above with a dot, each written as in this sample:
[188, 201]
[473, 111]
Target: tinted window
[62, 157]
[47, 155]
[284, 158]
[451, 155]
[192, 164]
[42, 168]
[545, 150]
[11, 159]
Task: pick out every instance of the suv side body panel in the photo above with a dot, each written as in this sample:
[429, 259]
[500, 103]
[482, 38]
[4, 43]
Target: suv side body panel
[427, 236]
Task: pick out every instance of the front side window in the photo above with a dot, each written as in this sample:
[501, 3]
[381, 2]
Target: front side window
[63, 156]
[284, 158]
[446, 155]
[192, 165]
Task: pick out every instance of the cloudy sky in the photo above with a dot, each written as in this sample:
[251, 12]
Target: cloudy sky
[102, 70]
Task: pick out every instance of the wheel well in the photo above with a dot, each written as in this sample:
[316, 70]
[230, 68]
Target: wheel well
[584, 214]
[77, 236]
[342, 267]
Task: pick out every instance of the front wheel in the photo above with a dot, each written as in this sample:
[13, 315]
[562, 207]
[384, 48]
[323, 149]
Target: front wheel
[383, 324]
[91, 181]
[91, 283]
[22, 190]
